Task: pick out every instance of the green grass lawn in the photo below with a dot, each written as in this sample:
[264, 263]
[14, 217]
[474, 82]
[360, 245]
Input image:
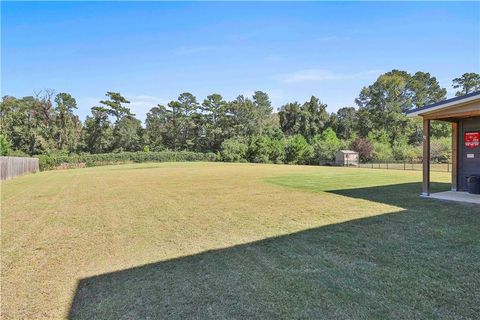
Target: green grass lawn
[213, 240]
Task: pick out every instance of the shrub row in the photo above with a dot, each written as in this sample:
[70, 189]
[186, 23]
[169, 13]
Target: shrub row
[49, 162]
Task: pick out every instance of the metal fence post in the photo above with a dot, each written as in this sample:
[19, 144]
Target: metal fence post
[438, 166]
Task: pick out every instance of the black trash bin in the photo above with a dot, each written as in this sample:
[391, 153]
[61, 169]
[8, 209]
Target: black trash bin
[473, 184]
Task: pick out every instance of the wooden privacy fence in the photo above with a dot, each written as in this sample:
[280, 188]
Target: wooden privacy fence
[12, 167]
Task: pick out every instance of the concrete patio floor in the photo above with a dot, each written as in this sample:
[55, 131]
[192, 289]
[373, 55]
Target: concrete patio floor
[456, 196]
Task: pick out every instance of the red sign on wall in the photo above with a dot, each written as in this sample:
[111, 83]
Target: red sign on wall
[472, 139]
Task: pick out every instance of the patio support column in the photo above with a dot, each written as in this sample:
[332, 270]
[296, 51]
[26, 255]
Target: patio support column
[426, 158]
[454, 155]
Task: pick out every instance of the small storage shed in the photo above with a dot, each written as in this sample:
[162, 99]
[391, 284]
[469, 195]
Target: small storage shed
[346, 158]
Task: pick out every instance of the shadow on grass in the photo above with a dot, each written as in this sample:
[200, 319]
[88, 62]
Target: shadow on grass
[422, 262]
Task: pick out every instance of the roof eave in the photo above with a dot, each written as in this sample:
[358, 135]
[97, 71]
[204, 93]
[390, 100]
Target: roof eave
[455, 102]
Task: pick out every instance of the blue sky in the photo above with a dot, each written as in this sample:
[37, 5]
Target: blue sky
[152, 51]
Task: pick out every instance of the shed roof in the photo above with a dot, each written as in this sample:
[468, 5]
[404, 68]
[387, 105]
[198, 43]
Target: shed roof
[347, 151]
[445, 104]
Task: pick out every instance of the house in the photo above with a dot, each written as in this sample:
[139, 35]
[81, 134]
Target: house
[346, 158]
[464, 115]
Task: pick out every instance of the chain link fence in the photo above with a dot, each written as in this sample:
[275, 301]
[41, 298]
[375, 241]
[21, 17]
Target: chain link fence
[404, 165]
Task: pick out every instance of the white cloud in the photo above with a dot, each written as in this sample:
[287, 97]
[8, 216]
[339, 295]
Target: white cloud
[84, 105]
[323, 75]
[141, 104]
[275, 94]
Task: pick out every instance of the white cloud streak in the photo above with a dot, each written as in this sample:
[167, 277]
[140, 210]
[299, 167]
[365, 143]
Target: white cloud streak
[141, 104]
[323, 75]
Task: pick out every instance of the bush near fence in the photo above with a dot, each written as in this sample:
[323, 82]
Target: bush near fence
[52, 162]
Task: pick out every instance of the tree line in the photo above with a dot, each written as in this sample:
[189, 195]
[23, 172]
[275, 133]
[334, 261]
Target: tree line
[244, 129]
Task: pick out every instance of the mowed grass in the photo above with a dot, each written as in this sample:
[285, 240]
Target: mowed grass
[213, 240]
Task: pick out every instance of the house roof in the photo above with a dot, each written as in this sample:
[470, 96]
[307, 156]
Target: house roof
[444, 104]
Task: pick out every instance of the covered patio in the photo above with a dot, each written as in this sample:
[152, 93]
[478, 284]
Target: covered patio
[464, 115]
[459, 196]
